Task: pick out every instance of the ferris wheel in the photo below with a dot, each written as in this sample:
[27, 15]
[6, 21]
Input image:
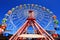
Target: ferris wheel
[17, 16]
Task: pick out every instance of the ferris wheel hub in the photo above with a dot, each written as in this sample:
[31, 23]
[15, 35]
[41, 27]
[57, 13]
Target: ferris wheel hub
[31, 15]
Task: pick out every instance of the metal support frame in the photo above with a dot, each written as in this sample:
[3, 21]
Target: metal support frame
[31, 21]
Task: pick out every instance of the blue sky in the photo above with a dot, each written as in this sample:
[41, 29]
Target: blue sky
[53, 5]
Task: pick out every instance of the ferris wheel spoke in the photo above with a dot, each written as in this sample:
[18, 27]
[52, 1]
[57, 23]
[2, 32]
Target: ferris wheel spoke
[40, 23]
[39, 19]
[48, 23]
[47, 17]
[19, 21]
[20, 24]
[43, 22]
[15, 18]
[46, 20]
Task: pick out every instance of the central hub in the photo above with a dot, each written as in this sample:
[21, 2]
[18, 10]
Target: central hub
[31, 15]
[30, 11]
